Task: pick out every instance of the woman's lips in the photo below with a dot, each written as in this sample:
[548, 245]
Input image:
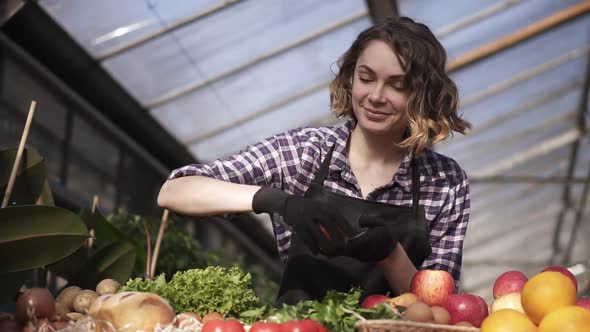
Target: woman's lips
[375, 115]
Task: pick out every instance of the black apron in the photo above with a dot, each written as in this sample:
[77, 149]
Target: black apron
[309, 277]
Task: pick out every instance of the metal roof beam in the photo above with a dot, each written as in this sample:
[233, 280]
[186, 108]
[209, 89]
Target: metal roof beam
[381, 9]
[566, 196]
[514, 179]
[519, 36]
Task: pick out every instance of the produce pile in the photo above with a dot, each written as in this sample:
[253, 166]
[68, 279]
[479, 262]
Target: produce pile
[547, 302]
[211, 299]
[217, 299]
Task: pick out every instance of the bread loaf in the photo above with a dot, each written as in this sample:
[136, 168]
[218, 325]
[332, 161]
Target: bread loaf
[130, 311]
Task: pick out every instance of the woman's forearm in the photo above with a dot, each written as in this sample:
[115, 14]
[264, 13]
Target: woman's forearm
[398, 270]
[201, 195]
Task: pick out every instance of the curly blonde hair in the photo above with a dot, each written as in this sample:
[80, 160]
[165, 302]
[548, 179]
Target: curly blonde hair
[433, 100]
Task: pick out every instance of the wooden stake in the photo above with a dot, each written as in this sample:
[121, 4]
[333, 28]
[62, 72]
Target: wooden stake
[94, 203]
[148, 241]
[159, 242]
[19, 154]
[520, 35]
[90, 241]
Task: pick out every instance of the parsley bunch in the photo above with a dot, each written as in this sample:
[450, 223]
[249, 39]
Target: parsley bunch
[334, 311]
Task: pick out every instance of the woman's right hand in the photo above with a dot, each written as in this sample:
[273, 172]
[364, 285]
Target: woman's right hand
[322, 229]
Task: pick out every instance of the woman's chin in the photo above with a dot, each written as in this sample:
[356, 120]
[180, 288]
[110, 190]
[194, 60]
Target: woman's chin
[376, 128]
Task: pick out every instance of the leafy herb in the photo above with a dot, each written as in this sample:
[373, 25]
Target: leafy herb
[335, 311]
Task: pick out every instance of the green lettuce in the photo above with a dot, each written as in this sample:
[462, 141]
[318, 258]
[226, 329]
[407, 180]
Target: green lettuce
[201, 291]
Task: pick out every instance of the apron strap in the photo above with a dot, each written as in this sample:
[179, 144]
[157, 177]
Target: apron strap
[415, 187]
[324, 168]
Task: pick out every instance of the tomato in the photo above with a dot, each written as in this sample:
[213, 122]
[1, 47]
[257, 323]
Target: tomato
[218, 325]
[306, 325]
[265, 327]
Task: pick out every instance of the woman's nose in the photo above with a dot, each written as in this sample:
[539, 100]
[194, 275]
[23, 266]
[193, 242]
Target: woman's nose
[376, 95]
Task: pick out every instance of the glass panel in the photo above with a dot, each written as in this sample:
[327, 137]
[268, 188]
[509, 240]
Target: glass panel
[92, 145]
[503, 24]
[211, 45]
[525, 56]
[258, 86]
[86, 180]
[116, 23]
[436, 14]
[19, 88]
[139, 187]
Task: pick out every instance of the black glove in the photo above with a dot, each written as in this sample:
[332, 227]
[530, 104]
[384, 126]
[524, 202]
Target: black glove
[374, 244]
[320, 228]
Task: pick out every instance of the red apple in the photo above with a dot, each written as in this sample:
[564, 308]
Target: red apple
[432, 286]
[564, 270]
[483, 305]
[466, 308]
[373, 300]
[509, 282]
[507, 301]
[584, 303]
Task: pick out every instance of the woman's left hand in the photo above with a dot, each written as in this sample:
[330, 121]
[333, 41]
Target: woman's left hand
[373, 245]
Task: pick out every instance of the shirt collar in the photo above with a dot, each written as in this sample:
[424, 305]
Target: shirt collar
[403, 176]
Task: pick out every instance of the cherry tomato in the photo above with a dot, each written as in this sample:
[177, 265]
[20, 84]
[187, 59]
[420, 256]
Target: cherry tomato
[218, 325]
[265, 327]
[306, 325]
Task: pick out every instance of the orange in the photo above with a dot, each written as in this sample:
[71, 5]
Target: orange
[570, 319]
[505, 320]
[546, 292]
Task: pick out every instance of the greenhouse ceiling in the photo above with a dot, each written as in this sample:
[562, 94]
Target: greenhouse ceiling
[219, 75]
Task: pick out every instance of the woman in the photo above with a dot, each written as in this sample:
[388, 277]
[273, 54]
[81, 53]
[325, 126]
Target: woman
[364, 204]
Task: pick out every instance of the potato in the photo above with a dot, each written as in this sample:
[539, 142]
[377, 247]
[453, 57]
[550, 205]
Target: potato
[83, 300]
[211, 316]
[419, 312]
[66, 297]
[441, 315]
[107, 286]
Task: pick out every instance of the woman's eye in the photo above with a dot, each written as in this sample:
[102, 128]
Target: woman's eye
[364, 79]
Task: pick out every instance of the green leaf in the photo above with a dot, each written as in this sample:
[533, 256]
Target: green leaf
[36, 235]
[69, 266]
[104, 231]
[114, 261]
[30, 179]
[113, 255]
[46, 197]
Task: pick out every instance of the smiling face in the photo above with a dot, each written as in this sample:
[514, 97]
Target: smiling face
[379, 97]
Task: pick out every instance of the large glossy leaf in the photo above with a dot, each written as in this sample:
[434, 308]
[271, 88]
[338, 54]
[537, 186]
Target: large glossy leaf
[112, 261]
[113, 255]
[30, 179]
[35, 235]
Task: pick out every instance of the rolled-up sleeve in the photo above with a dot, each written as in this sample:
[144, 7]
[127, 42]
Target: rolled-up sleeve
[257, 164]
[451, 225]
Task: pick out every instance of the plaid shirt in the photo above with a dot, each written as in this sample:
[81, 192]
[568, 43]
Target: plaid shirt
[290, 160]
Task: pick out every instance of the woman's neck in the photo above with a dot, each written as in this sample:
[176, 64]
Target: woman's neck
[380, 149]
